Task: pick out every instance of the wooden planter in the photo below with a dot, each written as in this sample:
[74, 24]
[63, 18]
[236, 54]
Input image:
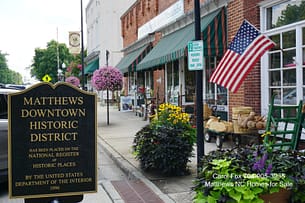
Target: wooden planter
[282, 196]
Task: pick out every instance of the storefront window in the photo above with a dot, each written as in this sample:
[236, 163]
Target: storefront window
[283, 69]
[277, 41]
[173, 82]
[282, 78]
[149, 83]
[221, 93]
[275, 78]
[285, 13]
[190, 84]
[288, 39]
[275, 61]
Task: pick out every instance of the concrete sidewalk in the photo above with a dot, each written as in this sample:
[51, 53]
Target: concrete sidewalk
[117, 139]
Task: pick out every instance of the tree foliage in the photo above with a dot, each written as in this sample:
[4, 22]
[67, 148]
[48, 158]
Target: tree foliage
[45, 60]
[293, 13]
[8, 76]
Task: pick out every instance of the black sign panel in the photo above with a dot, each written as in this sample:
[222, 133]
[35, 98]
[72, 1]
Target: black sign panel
[52, 141]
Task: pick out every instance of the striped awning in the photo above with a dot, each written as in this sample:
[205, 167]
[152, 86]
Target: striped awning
[129, 62]
[91, 67]
[173, 46]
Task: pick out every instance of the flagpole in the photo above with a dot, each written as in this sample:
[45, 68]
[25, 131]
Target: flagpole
[82, 45]
[199, 91]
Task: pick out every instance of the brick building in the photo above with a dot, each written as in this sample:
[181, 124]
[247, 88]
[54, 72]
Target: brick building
[155, 35]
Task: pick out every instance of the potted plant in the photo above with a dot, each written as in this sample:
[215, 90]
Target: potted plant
[166, 144]
[251, 174]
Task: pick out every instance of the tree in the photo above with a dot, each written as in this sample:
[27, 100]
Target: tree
[291, 14]
[8, 76]
[3, 61]
[45, 60]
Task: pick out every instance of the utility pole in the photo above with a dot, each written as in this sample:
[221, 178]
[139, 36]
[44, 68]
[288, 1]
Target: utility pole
[199, 90]
[107, 56]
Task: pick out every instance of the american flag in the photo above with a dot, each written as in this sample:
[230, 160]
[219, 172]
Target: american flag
[244, 51]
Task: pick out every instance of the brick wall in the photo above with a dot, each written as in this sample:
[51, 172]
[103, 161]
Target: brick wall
[137, 15]
[143, 11]
[249, 94]
[165, 4]
[189, 5]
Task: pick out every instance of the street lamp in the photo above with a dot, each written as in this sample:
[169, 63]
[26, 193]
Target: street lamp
[59, 74]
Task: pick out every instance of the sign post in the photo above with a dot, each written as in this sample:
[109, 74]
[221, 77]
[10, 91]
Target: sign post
[199, 91]
[52, 142]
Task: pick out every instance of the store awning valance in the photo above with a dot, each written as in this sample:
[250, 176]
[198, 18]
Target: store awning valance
[91, 67]
[129, 62]
[173, 46]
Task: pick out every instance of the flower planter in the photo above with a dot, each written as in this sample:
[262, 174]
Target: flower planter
[282, 196]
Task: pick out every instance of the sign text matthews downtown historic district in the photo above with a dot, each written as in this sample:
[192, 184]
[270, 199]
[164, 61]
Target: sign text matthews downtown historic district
[195, 55]
[52, 141]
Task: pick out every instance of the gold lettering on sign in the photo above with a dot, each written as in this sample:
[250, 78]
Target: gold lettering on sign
[50, 137]
[42, 113]
[41, 101]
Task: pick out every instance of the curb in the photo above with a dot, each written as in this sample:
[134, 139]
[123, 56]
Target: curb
[131, 171]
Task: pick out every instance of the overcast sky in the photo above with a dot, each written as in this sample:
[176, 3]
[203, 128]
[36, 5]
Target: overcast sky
[30, 24]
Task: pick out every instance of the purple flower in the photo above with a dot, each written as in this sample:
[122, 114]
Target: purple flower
[107, 78]
[268, 170]
[73, 80]
[260, 164]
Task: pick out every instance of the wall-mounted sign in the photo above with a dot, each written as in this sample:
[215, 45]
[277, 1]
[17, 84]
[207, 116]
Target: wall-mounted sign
[52, 141]
[165, 17]
[195, 55]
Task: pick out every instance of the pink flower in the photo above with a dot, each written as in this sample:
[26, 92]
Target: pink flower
[73, 80]
[108, 77]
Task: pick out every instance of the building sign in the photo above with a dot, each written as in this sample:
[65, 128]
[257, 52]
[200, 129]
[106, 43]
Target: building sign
[195, 55]
[52, 141]
[167, 16]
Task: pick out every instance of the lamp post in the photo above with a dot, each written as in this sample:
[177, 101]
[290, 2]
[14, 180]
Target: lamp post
[63, 67]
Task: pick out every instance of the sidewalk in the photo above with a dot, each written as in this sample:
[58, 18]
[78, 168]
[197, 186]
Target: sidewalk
[117, 139]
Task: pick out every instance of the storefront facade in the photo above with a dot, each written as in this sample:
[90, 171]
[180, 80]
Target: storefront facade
[164, 70]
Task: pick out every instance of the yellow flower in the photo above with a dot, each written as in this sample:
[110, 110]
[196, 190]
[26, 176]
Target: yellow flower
[266, 134]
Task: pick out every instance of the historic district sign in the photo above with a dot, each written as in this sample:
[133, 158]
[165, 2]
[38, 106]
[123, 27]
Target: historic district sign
[52, 141]
[195, 55]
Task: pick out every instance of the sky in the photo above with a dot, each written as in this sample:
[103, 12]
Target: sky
[29, 24]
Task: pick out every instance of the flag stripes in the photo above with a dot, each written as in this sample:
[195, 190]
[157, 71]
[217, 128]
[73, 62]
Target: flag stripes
[241, 57]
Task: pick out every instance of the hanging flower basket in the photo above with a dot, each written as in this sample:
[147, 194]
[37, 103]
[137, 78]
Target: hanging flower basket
[107, 78]
[73, 80]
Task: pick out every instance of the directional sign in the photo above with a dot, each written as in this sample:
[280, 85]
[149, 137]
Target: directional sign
[195, 55]
[46, 78]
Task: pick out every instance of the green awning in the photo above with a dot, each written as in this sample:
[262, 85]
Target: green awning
[91, 67]
[130, 61]
[172, 46]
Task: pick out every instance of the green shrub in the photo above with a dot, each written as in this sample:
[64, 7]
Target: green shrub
[166, 144]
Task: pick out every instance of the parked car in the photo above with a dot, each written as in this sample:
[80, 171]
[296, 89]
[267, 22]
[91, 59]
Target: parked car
[4, 133]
